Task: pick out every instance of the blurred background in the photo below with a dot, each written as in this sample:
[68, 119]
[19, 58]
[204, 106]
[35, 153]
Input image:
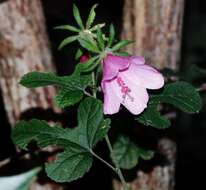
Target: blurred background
[177, 26]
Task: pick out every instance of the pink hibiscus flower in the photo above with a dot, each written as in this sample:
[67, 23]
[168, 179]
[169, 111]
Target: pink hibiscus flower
[125, 80]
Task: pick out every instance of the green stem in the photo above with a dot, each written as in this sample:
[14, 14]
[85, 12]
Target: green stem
[102, 160]
[94, 85]
[118, 170]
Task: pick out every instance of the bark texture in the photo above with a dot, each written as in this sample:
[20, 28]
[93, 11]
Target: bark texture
[156, 28]
[23, 48]
[161, 177]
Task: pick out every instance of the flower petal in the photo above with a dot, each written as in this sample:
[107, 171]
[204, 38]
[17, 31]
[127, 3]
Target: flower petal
[112, 65]
[112, 97]
[136, 99]
[137, 60]
[145, 76]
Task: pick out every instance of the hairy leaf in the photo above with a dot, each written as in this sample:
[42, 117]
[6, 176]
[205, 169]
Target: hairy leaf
[88, 45]
[88, 66]
[67, 41]
[100, 39]
[77, 16]
[91, 121]
[69, 83]
[67, 27]
[126, 154]
[111, 35]
[152, 117]
[91, 16]
[68, 98]
[120, 45]
[181, 95]
[69, 165]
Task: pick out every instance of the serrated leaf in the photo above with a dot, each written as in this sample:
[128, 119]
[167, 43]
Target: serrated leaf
[78, 54]
[90, 118]
[19, 182]
[88, 45]
[120, 45]
[77, 16]
[91, 16]
[181, 95]
[126, 154]
[111, 35]
[69, 165]
[67, 41]
[77, 143]
[67, 98]
[67, 27]
[88, 66]
[100, 39]
[43, 134]
[152, 117]
[38, 79]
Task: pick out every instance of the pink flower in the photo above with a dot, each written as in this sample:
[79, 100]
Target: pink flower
[125, 80]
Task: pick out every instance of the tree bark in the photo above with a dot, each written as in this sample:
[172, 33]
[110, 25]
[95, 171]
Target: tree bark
[156, 28]
[24, 48]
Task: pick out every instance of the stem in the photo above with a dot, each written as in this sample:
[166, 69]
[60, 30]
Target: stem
[102, 160]
[94, 85]
[118, 170]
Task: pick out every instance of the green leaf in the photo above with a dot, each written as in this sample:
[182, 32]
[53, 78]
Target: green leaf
[146, 154]
[77, 16]
[152, 117]
[126, 154]
[181, 95]
[91, 17]
[88, 45]
[125, 54]
[100, 39]
[67, 98]
[88, 66]
[120, 45]
[79, 53]
[91, 121]
[19, 182]
[69, 165]
[77, 143]
[94, 28]
[68, 27]
[38, 79]
[40, 131]
[69, 83]
[111, 35]
[67, 41]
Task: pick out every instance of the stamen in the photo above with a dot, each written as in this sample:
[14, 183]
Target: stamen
[124, 89]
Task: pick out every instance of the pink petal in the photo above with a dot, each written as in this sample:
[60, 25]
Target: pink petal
[145, 76]
[112, 65]
[137, 60]
[112, 97]
[136, 100]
